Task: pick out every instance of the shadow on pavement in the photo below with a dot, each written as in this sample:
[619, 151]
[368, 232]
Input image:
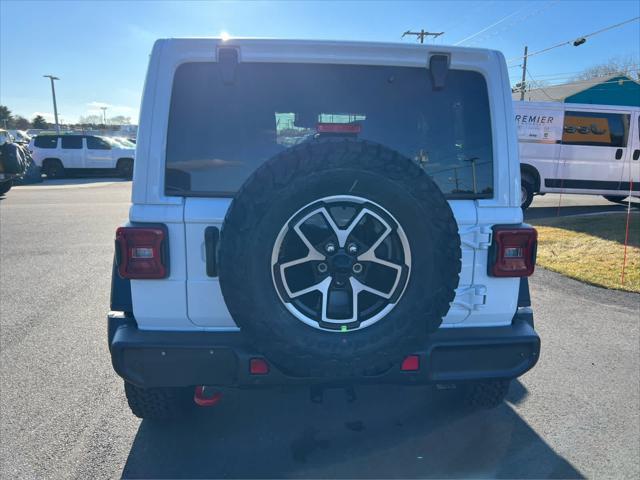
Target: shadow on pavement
[73, 181]
[405, 432]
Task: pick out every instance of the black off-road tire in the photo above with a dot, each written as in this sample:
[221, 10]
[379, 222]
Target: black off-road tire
[160, 404]
[304, 174]
[53, 168]
[5, 186]
[124, 168]
[486, 395]
[527, 186]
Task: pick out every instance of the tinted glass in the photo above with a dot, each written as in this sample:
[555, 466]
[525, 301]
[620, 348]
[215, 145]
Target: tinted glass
[95, 143]
[596, 129]
[220, 133]
[71, 141]
[46, 141]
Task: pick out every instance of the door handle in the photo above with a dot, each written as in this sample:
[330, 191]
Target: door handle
[618, 154]
[636, 154]
[211, 236]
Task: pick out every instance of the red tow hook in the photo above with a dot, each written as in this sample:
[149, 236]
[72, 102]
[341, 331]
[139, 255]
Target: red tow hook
[206, 397]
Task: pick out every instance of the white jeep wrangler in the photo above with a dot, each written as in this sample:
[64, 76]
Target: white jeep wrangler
[322, 214]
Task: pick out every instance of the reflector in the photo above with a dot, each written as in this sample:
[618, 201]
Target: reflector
[411, 363]
[258, 366]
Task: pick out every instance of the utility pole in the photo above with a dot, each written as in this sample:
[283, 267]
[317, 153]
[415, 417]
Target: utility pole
[422, 33]
[104, 115]
[53, 94]
[524, 74]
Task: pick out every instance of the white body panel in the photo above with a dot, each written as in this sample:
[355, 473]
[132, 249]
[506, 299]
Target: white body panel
[190, 300]
[570, 168]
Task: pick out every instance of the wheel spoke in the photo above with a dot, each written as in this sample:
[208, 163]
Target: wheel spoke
[358, 287]
[370, 256]
[343, 234]
[322, 287]
[325, 305]
[314, 253]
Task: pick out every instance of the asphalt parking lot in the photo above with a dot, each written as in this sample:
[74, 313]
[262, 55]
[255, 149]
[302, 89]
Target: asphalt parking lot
[63, 412]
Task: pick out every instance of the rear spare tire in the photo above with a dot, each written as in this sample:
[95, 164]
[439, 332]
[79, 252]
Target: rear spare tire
[338, 257]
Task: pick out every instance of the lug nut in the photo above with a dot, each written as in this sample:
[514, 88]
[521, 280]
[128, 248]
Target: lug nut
[353, 248]
[330, 248]
[357, 268]
[322, 267]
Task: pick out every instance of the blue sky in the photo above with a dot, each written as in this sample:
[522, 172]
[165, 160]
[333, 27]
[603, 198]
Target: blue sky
[100, 49]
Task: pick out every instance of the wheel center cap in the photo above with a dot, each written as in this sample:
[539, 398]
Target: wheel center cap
[341, 262]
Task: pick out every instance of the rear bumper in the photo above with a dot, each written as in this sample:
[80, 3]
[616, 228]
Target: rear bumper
[173, 359]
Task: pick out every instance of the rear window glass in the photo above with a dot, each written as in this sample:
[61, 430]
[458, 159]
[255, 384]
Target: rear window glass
[46, 141]
[220, 133]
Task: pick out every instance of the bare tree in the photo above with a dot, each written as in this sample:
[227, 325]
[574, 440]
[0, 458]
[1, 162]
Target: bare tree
[628, 66]
[90, 120]
[120, 120]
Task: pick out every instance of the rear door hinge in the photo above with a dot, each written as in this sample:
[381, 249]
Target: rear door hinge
[471, 297]
[477, 237]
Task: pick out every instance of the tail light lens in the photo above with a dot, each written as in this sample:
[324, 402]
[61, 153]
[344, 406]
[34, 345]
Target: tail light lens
[513, 252]
[141, 252]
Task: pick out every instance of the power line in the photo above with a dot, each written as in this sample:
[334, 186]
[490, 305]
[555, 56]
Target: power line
[490, 26]
[583, 37]
[595, 86]
[540, 88]
[469, 14]
[516, 21]
[631, 66]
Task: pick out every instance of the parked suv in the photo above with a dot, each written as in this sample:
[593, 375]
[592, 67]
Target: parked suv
[324, 214]
[59, 155]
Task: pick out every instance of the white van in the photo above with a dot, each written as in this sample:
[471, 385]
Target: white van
[58, 155]
[578, 148]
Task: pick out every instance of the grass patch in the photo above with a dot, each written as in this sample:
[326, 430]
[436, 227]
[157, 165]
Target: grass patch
[591, 248]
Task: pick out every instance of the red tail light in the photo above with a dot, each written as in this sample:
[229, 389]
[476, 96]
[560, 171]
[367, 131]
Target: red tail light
[353, 128]
[141, 252]
[513, 252]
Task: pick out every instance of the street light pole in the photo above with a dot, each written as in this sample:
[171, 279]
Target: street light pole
[104, 115]
[53, 94]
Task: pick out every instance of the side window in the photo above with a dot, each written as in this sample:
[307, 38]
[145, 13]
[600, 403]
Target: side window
[46, 141]
[72, 142]
[95, 143]
[596, 129]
